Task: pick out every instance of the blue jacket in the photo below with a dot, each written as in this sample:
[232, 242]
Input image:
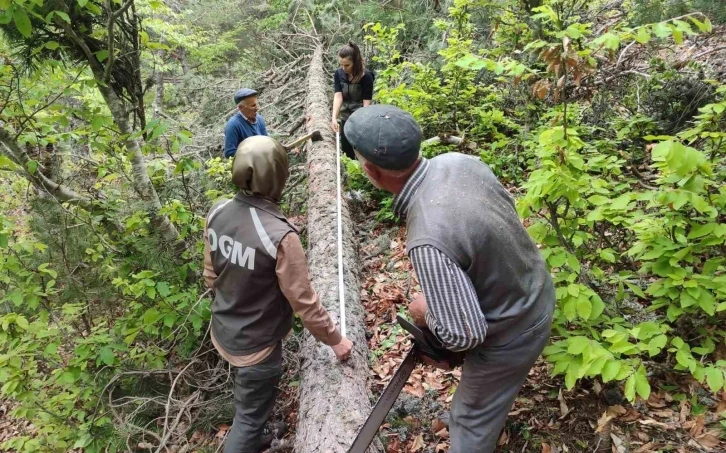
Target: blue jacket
[238, 129]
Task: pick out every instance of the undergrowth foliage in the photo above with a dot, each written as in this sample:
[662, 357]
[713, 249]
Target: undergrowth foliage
[629, 212]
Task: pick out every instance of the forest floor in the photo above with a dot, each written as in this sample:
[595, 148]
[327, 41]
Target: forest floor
[545, 418]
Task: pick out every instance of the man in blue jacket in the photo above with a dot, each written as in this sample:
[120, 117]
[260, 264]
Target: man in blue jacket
[245, 123]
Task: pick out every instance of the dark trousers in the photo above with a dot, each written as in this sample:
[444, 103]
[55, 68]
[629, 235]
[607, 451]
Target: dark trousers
[490, 380]
[345, 144]
[255, 390]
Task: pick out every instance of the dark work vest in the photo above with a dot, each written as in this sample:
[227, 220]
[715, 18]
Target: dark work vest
[249, 312]
[463, 210]
[352, 95]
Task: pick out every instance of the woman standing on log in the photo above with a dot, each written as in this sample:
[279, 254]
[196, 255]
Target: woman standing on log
[353, 85]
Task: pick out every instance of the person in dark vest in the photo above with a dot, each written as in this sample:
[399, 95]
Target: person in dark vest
[353, 85]
[256, 265]
[246, 122]
[486, 287]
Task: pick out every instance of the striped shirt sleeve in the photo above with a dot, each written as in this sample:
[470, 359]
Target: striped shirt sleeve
[454, 314]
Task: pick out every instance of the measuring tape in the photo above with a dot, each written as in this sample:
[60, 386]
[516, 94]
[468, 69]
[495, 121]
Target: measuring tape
[341, 285]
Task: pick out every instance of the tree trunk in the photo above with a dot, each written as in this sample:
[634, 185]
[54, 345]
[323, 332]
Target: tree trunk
[334, 397]
[142, 183]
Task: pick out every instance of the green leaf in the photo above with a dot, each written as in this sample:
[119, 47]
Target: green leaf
[643, 36]
[661, 30]
[51, 349]
[151, 316]
[622, 347]
[573, 262]
[21, 322]
[714, 378]
[32, 166]
[151, 292]
[63, 16]
[3, 240]
[609, 40]
[620, 203]
[577, 345]
[707, 303]
[106, 356]
[658, 341]
[22, 21]
[701, 26]
[572, 372]
[598, 200]
[641, 384]
[607, 255]
[584, 308]
[698, 231]
[636, 290]
[570, 309]
[630, 388]
[98, 122]
[558, 259]
[677, 36]
[163, 289]
[82, 3]
[597, 307]
[5, 4]
[101, 55]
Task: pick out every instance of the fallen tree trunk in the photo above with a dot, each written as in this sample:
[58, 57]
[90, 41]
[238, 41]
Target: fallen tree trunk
[334, 397]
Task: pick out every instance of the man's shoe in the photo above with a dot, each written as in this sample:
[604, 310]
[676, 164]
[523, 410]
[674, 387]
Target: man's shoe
[270, 432]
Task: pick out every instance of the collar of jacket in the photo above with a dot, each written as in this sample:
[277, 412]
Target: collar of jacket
[402, 200]
[265, 204]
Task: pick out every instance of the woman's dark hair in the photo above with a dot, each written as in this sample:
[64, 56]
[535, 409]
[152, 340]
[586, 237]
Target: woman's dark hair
[352, 51]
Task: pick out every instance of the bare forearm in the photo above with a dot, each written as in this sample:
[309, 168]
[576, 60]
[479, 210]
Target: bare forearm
[337, 103]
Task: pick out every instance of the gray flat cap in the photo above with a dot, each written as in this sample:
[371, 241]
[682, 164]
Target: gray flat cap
[243, 93]
[385, 136]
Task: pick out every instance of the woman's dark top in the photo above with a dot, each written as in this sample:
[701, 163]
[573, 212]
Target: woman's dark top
[353, 93]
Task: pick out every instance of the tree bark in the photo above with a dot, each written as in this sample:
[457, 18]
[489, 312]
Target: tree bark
[334, 397]
[142, 183]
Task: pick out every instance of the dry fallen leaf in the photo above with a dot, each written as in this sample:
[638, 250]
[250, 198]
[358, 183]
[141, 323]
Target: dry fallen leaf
[546, 448]
[618, 444]
[442, 447]
[443, 434]
[437, 425]
[617, 410]
[503, 438]
[394, 446]
[708, 440]
[642, 436]
[222, 431]
[603, 423]
[650, 446]
[418, 443]
[685, 411]
[652, 422]
[564, 410]
[697, 428]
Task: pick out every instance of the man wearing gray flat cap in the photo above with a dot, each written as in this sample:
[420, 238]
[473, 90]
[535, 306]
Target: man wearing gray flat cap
[245, 123]
[486, 288]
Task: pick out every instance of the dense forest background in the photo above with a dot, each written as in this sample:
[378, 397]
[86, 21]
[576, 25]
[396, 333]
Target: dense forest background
[605, 119]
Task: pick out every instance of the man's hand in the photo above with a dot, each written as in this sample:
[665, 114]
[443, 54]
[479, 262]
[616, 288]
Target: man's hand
[334, 125]
[417, 309]
[342, 349]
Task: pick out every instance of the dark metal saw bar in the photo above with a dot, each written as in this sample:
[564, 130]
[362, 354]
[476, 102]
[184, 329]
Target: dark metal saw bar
[384, 403]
